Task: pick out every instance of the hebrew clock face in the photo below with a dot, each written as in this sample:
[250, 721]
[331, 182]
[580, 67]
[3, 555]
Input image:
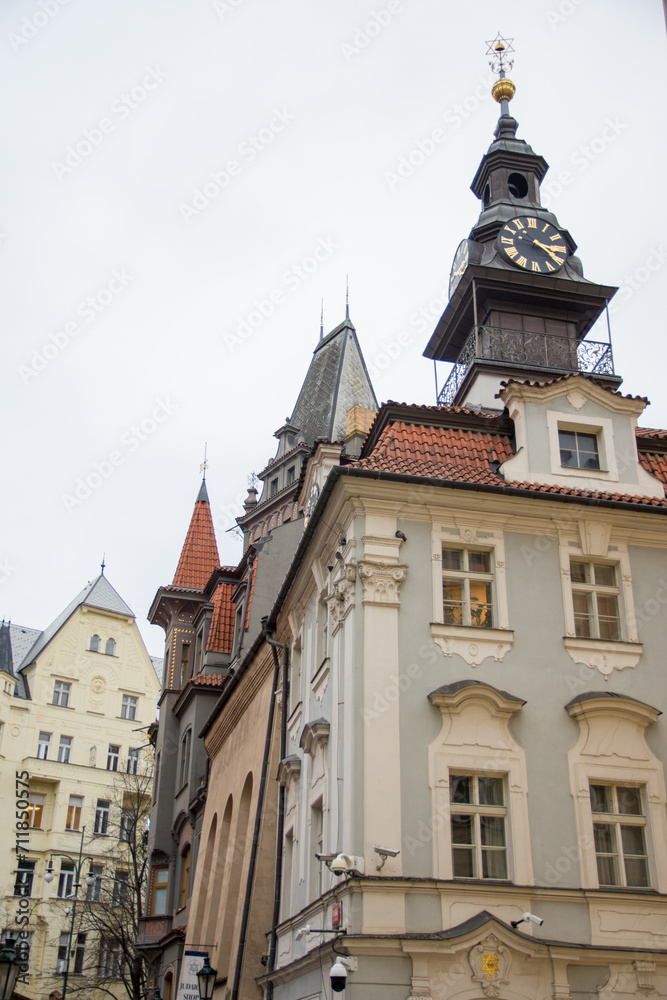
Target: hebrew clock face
[533, 245]
[459, 264]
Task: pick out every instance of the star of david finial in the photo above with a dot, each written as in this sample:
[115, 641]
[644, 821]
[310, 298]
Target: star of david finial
[499, 49]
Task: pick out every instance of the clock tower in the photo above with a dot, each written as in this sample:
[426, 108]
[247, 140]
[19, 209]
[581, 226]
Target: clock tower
[519, 303]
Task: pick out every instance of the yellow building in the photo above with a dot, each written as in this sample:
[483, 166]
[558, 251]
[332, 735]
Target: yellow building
[75, 703]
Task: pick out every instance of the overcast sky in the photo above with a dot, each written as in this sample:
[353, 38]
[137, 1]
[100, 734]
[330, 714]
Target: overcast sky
[184, 180]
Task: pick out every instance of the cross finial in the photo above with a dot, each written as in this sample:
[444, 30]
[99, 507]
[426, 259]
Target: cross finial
[103, 562]
[499, 49]
[204, 465]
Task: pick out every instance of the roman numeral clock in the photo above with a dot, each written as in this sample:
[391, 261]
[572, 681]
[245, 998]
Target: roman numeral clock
[533, 244]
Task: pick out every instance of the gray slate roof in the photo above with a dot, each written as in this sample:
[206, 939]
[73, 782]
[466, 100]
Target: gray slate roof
[337, 379]
[98, 594]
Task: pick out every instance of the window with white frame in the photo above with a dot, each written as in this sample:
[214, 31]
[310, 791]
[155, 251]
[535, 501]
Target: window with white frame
[478, 822]
[43, 746]
[578, 450]
[595, 598]
[80, 953]
[102, 811]
[467, 587]
[36, 810]
[121, 889]
[66, 879]
[110, 961]
[110, 647]
[61, 961]
[316, 847]
[619, 829]
[65, 749]
[94, 891]
[128, 709]
[25, 874]
[113, 757]
[132, 760]
[61, 693]
[74, 808]
[126, 825]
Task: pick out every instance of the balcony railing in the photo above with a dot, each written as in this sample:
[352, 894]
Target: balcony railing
[534, 350]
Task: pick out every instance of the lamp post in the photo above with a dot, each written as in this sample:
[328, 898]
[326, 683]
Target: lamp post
[48, 877]
[9, 969]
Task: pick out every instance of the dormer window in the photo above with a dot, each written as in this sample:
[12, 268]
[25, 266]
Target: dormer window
[94, 643]
[578, 450]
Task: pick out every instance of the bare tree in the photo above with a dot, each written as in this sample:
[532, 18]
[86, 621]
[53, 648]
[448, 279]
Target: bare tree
[114, 903]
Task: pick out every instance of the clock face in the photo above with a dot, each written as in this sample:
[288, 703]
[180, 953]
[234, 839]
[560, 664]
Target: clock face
[459, 264]
[533, 245]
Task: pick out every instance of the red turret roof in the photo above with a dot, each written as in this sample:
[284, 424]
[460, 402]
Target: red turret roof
[199, 556]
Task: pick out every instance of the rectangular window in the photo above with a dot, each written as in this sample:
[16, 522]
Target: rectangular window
[288, 874]
[478, 816]
[66, 879]
[619, 828]
[467, 587]
[595, 598]
[120, 894]
[35, 810]
[79, 954]
[185, 758]
[291, 474]
[25, 874]
[74, 808]
[185, 877]
[61, 693]
[160, 887]
[43, 746]
[94, 891]
[132, 760]
[316, 847]
[110, 962]
[128, 709]
[113, 757]
[126, 825]
[102, 817]
[61, 961]
[185, 662]
[578, 450]
[273, 489]
[64, 749]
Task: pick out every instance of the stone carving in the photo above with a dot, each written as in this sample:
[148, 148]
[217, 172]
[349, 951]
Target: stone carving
[490, 962]
[341, 598]
[381, 581]
[92, 756]
[576, 399]
[473, 645]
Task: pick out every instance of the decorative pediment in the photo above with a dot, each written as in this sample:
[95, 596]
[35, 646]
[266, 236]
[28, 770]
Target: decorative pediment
[314, 735]
[289, 769]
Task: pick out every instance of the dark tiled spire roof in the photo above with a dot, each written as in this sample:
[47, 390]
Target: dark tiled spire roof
[6, 657]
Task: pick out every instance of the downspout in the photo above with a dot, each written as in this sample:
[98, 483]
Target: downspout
[255, 837]
[277, 892]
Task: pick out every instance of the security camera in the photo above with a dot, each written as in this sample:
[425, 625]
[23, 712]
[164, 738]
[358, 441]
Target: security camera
[338, 977]
[326, 857]
[301, 931]
[339, 865]
[527, 917]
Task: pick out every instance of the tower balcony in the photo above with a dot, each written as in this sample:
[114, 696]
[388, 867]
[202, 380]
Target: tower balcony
[531, 354]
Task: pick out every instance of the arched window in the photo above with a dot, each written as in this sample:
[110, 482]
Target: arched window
[168, 986]
[110, 648]
[185, 877]
[95, 643]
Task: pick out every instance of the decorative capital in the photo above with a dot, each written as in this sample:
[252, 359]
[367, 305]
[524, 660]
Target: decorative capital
[381, 581]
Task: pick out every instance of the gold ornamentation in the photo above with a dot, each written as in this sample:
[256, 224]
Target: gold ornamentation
[490, 963]
[503, 90]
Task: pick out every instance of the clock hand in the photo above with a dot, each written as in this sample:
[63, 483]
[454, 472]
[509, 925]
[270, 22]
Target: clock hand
[549, 250]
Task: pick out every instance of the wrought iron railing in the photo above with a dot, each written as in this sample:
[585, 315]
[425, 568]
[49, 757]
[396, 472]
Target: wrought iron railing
[535, 350]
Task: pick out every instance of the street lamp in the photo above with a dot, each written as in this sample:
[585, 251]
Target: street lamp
[9, 969]
[206, 977]
[89, 880]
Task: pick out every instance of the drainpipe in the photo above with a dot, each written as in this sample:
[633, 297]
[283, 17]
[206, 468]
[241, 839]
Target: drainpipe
[258, 823]
[277, 892]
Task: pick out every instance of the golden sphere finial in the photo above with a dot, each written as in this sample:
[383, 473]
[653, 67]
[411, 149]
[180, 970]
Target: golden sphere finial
[503, 89]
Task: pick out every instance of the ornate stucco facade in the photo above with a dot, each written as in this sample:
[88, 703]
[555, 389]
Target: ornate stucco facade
[76, 705]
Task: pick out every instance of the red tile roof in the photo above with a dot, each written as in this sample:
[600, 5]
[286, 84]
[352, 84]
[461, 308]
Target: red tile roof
[453, 454]
[199, 556]
[208, 680]
[221, 633]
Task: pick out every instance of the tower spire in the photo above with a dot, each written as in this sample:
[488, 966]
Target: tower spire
[204, 465]
[322, 321]
[503, 89]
